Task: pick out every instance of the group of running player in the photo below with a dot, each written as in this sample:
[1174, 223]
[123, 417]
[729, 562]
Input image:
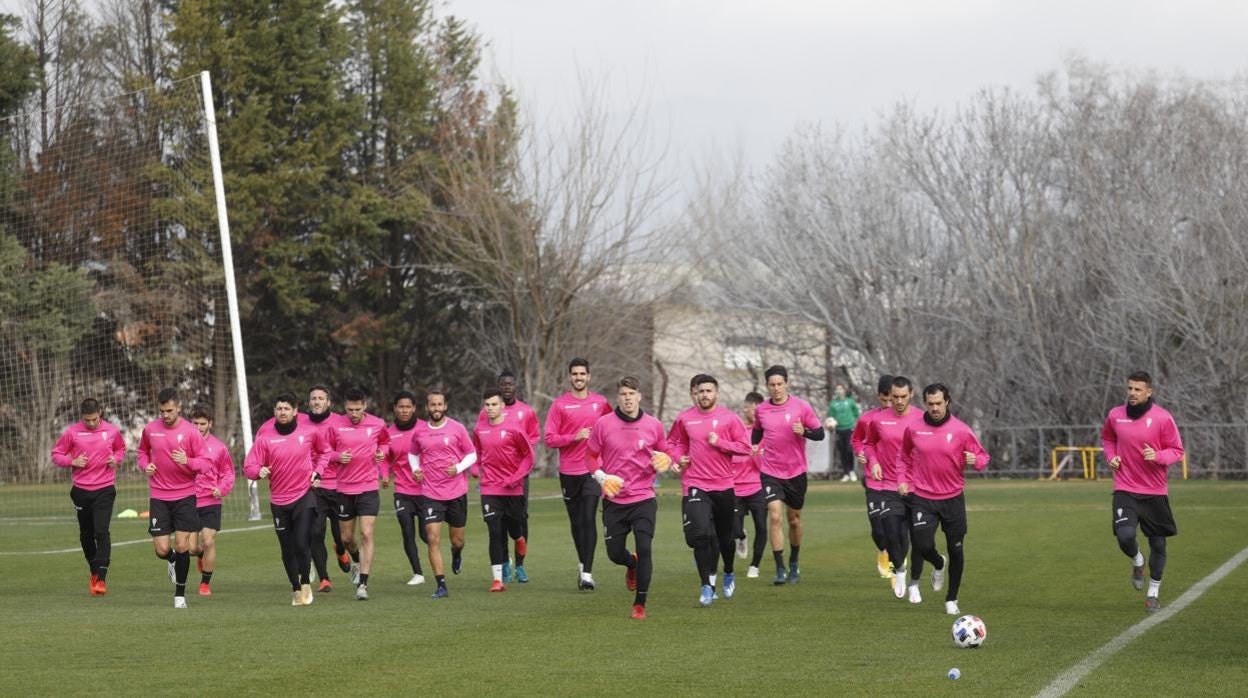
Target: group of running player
[325, 470]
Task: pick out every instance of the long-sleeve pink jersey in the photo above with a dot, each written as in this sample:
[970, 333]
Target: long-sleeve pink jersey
[437, 448]
[97, 445]
[858, 437]
[884, 445]
[784, 452]
[362, 441]
[329, 474]
[171, 481]
[220, 474]
[519, 416]
[710, 467]
[746, 481]
[504, 456]
[1126, 438]
[290, 458]
[567, 416]
[624, 449]
[396, 462]
[933, 458]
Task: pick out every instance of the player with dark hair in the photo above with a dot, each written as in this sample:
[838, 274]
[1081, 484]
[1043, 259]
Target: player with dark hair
[92, 448]
[212, 485]
[440, 453]
[885, 438]
[320, 415]
[935, 452]
[782, 425]
[1141, 442]
[629, 445]
[356, 442]
[406, 489]
[749, 491]
[569, 423]
[504, 458]
[524, 418]
[171, 452]
[874, 488]
[703, 441]
[287, 455]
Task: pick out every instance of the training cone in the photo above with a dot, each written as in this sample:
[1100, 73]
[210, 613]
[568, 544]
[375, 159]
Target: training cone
[128, 514]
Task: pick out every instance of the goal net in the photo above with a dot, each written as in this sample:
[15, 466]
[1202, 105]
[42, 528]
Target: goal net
[113, 284]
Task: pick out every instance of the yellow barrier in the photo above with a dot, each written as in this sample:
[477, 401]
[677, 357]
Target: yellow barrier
[1087, 457]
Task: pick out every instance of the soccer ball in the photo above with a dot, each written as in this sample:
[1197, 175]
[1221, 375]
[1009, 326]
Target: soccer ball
[969, 632]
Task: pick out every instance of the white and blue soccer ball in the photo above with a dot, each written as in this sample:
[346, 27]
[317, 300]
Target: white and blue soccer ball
[969, 632]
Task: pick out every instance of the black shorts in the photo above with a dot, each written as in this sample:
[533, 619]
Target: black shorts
[1150, 511]
[406, 504]
[210, 516]
[754, 502]
[791, 491]
[454, 512]
[352, 505]
[285, 515]
[573, 486]
[951, 513]
[325, 501]
[619, 519]
[508, 507]
[887, 503]
[177, 515]
[700, 509]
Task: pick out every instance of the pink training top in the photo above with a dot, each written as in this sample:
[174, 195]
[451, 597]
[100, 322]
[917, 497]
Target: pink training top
[519, 416]
[97, 445]
[438, 448]
[220, 473]
[933, 458]
[290, 459]
[745, 481]
[784, 453]
[1126, 438]
[710, 467]
[396, 462]
[567, 416]
[858, 442]
[624, 449]
[884, 445]
[171, 481]
[362, 441]
[505, 456]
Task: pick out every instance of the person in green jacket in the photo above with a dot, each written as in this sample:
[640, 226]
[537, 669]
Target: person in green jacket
[842, 416]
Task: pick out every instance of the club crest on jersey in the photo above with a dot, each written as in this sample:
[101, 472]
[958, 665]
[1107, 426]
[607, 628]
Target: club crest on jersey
[641, 443]
[179, 438]
[368, 431]
[948, 438]
[446, 441]
[714, 423]
[103, 437]
[301, 439]
[1148, 422]
[788, 417]
[502, 433]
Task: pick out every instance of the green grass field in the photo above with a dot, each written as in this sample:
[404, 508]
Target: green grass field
[1043, 571]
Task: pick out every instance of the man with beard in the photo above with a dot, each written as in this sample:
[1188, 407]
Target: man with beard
[874, 489]
[885, 438]
[440, 453]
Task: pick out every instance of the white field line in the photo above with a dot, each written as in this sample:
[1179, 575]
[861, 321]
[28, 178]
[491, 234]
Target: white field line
[1080, 670]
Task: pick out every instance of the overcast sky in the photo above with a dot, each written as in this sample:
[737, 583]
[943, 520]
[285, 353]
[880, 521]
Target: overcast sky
[731, 75]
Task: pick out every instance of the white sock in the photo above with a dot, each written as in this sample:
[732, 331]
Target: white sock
[580, 568]
[587, 577]
[497, 570]
[1138, 560]
[1154, 586]
[712, 580]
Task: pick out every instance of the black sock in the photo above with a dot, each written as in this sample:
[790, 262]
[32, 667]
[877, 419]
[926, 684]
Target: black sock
[779, 555]
[306, 579]
[793, 551]
[339, 549]
[441, 578]
[456, 553]
[640, 599]
[181, 565]
[101, 573]
[169, 555]
[355, 556]
[363, 579]
[632, 561]
[205, 578]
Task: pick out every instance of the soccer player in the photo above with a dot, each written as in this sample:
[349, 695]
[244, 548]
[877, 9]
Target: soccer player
[871, 486]
[749, 491]
[885, 436]
[212, 485]
[842, 416]
[524, 418]
[171, 452]
[1141, 442]
[629, 445]
[703, 440]
[406, 489]
[935, 452]
[320, 402]
[286, 455]
[568, 425]
[356, 442]
[782, 425]
[504, 457]
[92, 448]
[440, 453]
